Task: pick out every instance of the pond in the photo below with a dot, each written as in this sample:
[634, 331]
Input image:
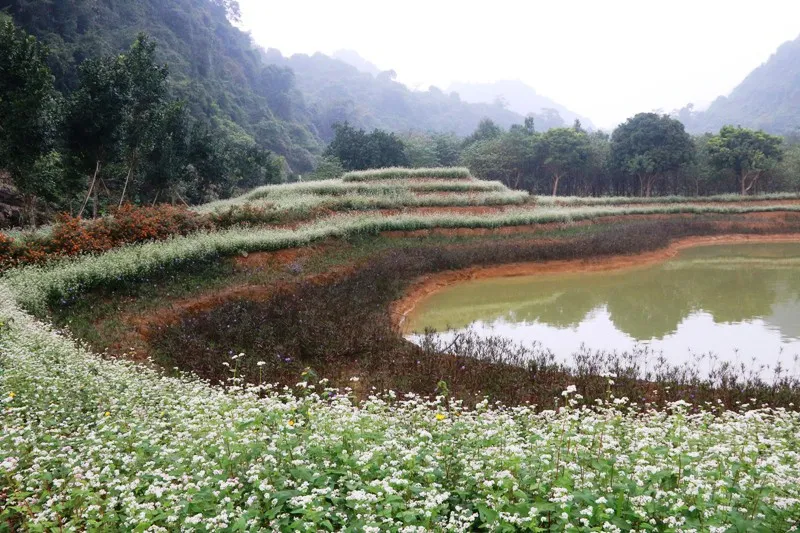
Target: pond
[737, 303]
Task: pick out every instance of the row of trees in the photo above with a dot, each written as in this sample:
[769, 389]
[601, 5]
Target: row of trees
[118, 136]
[648, 154]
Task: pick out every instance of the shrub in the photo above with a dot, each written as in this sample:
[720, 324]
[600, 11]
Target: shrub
[129, 224]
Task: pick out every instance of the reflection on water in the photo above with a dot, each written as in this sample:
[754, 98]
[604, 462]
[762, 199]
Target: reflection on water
[739, 302]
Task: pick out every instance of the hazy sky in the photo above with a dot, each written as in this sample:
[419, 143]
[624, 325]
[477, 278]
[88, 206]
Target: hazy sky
[604, 59]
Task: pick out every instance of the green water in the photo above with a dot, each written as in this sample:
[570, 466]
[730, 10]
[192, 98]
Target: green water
[738, 302]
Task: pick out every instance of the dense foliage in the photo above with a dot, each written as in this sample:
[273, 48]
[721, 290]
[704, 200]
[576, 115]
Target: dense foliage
[97, 113]
[746, 153]
[648, 147]
[359, 150]
[119, 132]
[28, 110]
[214, 66]
[647, 155]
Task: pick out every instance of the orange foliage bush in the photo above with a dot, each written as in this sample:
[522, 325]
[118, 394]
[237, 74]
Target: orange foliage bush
[129, 224]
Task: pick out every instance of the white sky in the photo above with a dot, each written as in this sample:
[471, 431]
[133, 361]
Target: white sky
[604, 59]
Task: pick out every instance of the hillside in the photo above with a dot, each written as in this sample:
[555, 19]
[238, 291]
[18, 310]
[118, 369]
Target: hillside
[768, 98]
[285, 104]
[213, 65]
[520, 98]
[336, 92]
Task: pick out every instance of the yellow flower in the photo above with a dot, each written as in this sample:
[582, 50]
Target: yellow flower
[108, 413]
[291, 423]
[11, 394]
[440, 416]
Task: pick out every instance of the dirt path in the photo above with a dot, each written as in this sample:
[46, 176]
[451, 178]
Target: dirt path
[430, 284]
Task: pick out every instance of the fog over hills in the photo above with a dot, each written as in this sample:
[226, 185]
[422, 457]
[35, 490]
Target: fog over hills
[351, 57]
[519, 97]
[336, 91]
[511, 95]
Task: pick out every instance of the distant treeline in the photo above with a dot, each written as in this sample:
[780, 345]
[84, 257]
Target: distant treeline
[649, 154]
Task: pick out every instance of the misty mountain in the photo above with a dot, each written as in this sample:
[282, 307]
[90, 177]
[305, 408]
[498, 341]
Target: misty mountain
[336, 91]
[519, 98]
[351, 57]
[768, 98]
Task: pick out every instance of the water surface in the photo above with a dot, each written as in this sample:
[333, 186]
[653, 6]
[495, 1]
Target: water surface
[739, 303]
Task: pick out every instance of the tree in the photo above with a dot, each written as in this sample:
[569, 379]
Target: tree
[549, 118]
[420, 150]
[97, 112]
[358, 150]
[648, 146]
[510, 158]
[448, 149]
[566, 151]
[597, 172]
[788, 169]
[28, 116]
[167, 162]
[485, 131]
[385, 150]
[328, 168]
[747, 153]
[147, 83]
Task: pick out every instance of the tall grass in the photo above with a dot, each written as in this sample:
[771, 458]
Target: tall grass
[393, 200]
[406, 173]
[340, 188]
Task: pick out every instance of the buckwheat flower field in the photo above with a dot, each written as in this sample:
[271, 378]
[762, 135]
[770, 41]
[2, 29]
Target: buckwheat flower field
[93, 444]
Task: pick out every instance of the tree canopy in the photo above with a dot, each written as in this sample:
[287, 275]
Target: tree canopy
[649, 146]
[28, 114]
[359, 150]
[746, 153]
[565, 150]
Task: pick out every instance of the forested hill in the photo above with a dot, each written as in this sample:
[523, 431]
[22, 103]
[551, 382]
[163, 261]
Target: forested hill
[523, 99]
[212, 64]
[768, 98]
[336, 91]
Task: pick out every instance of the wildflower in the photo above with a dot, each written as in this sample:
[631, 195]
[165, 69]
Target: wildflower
[291, 422]
[569, 390]
[260, 363]
[107, 413]
[11, 395]
[440, 416]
